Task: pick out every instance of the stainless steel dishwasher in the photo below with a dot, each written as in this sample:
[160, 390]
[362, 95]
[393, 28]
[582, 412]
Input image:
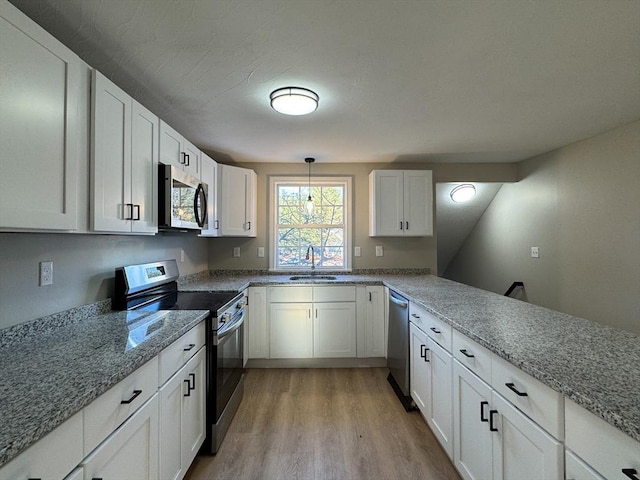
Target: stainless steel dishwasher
[398, 348]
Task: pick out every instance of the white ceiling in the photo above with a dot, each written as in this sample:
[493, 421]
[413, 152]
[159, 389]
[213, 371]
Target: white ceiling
[403, 80]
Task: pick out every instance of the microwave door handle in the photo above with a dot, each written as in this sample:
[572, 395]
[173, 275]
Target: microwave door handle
[200, 194]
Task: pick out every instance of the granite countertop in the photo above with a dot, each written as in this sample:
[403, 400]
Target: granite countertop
[596, 366]
[49, 373]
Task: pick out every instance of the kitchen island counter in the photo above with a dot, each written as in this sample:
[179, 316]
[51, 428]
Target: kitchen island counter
[596, 366]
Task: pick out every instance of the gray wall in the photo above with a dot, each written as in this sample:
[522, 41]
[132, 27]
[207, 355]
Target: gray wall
[83, 268]
[398, 252]
[581, 205]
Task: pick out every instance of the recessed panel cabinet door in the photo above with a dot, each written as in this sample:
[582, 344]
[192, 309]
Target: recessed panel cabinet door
[290, 330]
[418, 203]
[334, 330]
[39, 94]
[420, 372]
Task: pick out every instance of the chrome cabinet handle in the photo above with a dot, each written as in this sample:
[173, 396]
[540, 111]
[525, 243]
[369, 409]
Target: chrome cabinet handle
[513, 388]
[131, 398]
[465, 353]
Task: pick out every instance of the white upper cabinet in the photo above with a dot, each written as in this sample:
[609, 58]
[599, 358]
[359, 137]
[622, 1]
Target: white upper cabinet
[401, 203]
[177, 150]
[236, 201]
[39, 92]
[209, 175]
[124, 159]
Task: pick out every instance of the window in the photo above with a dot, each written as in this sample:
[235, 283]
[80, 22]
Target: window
[327, 229]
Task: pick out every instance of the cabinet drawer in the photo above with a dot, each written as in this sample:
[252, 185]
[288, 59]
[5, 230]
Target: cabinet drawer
[290, 294]
[334, 294]
[179, 352]
[576, 469]
[605, 448]
[51, 457]
[539, 402]
[107, 412]
[472, 355]
[437, 329]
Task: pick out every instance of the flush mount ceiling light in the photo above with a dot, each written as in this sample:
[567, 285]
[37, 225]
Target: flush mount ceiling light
[294, 101]
[463, 193]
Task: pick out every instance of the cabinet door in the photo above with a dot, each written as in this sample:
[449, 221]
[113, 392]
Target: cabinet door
[473, 455]
[290, 330]
[418, 203]
[39, 129]
[251, 202]
[232, 197]
[385, 203]
[112, 210]
[440, 417]
[334, 330]
[258, 341]
[131, 452]
[521, 449]
[209, 175]
[376, 328]
[419, 365]
[171, 454]
[144, 169]
[194, 408]
[171, 149]
[576, 469]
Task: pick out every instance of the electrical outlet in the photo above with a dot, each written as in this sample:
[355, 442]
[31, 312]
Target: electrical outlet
[379, 252]
[181, 256]
[357, 252]
[260, 252]
[46, 273]
[236, 251]
[535, 252]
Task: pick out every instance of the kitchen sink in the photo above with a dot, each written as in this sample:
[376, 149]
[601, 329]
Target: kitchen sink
[313, 278]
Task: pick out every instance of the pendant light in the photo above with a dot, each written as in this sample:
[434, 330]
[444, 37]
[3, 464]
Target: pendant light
[310, 205]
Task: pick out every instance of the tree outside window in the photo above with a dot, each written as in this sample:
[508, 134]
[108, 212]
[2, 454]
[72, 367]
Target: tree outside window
[324, 229]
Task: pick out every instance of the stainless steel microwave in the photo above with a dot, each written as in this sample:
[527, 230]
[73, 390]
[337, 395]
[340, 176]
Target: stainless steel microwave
[182, 199]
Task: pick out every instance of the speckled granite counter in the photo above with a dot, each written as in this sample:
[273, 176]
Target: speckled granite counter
[51, 370]
[596, 366]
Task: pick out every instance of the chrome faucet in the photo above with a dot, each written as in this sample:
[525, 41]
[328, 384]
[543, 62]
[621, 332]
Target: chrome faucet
[313, 258]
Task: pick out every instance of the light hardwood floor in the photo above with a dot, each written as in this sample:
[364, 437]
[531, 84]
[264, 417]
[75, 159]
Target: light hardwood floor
[324, 424]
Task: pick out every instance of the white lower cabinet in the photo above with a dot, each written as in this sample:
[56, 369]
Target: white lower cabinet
[576, 469]
[256, 331]
[431, 385]
[131, 452]
[495, 440]
[334, 330]
[371, 321]
[312, 322]
[290, 330]
[182, 421]
[52, 457]
[605, 449]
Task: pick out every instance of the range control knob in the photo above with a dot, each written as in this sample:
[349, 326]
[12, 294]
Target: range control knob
[225, 318]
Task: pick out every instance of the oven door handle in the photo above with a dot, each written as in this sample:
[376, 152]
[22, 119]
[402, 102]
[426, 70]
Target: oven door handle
[236, 325]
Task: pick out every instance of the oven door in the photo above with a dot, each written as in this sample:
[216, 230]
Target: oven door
[228, 357]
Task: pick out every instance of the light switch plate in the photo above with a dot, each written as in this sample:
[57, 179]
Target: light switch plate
[236, 251]
[357, 252]
[260, 252]
[379, 252]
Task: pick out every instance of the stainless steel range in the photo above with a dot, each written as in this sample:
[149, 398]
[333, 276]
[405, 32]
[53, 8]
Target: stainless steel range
[151, 287]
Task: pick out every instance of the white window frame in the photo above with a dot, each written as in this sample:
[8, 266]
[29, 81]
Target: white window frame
[274, 182]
